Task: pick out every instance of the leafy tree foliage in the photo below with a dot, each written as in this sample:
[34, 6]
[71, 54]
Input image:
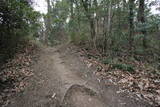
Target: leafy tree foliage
[116, 25]
[17, 19]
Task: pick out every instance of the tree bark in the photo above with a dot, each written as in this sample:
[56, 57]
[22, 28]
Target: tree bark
[90, 15]
[92, 28]
[48, 24]
[108, 26]
[71, 7]
[141, 19]
[131, 25]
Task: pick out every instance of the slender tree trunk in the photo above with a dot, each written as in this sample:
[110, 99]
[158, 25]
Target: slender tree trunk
[108, 32]
[48, 24]
[93, 32]
[77, 5]
[131, 25]
[87, 6]
[104, 33]
[96, 22]
[71, 16]
[109, 17]
[141, 19]
[92, 28]
[72, 13]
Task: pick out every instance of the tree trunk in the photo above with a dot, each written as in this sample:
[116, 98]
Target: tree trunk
[48, 26]
[90, 15]
[72, 17]
[92, 29]
[109, 17]
[71, 3]
[107, 34]
[131, 25]
[78, 14]
[141, 19]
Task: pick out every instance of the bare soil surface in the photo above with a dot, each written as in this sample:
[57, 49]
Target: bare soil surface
[61, 79]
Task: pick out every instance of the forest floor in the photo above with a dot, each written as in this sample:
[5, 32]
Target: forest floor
[61, 78]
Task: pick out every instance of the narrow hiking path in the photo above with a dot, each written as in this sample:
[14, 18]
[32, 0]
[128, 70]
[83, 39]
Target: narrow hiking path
[57, 70]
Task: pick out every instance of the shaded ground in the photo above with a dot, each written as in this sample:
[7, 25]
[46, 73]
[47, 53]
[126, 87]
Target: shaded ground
[16, 70]
[62, 79]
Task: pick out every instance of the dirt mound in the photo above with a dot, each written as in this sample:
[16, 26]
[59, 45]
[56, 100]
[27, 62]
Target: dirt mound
[80, 96]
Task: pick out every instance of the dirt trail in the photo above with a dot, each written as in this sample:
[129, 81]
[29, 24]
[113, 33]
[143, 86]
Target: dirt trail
[62, 79]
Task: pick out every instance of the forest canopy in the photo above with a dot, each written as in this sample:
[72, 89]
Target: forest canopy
[117, 25]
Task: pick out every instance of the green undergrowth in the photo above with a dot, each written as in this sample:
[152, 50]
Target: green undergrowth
[128, 63]
[9, 51]
[116, 64]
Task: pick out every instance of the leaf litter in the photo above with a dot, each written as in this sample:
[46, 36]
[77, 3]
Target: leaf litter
[14, 73]
[141, 80]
